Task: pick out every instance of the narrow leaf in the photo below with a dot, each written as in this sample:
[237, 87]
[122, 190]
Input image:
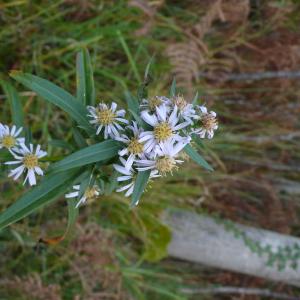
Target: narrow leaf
[195, 156]
[132, 102]
[130, 57]
[147, 71]
[56, 96]
[173, 88]
[85, 78]
[47, 190]
[91, 154]
[195, 99]
[78, 138]
[140, 184]
[61, 144]
[15, 103]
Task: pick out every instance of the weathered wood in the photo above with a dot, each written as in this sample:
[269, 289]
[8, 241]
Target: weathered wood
[198, 238]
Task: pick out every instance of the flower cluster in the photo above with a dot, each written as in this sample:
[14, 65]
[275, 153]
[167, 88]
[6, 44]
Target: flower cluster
[25, 156]
[153, 142]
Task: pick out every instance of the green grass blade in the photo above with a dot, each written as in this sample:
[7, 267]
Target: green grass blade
[195, 156]
[130, 57]
[15, 103]
[147, 70]
[85, 78]
[140, 184]
[91, 154]
[56, 96]
[47, 190]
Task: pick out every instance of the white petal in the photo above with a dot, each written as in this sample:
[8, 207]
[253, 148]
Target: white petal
[72, 195]
[122, 170]
[31, 177]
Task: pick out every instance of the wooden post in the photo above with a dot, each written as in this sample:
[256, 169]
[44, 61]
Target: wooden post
[200, 239]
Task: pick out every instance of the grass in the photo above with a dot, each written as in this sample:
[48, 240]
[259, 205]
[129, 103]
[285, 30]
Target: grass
[43, 39]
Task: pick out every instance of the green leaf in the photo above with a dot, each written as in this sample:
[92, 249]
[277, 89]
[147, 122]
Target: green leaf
[61, 144]
[147, 71]
[72, 216]
[47, 190]
[91, 154]
[56, 96]
[15, 103]
[78, 138]
[195, 156]
[195, 99]
[85, 78]
[132, 102]
[139, 186]
[113, 183]
[173, 88]
[158, 239]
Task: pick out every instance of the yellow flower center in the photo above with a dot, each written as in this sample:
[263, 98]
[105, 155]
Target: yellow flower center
[135, 147]
[179, 101]
[209, 121]
[165, 165]
[30, 161]
[105, 116]
[162, 132]
[8, 141]
[90, 193]
[154, 102]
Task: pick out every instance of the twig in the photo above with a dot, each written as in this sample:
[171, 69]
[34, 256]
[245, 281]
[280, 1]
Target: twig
[237, 290]
[255, 76]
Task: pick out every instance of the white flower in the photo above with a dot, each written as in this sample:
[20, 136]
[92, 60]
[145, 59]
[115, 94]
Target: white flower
[164, 160]
[185, 110]
[9, 137]
[208, 123]
[133, 147]
[107, 118]
[29, 160]
[129, 175]
[153, 102]
[165, 126]
[89, 194]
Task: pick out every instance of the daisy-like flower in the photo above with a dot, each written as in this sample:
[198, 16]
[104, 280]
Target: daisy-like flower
[165, 157]
[129, 175]
[208, 123]
[165, 127]
[29, 160]
[107, 118]
[134, 148]
[9, 137]
[153, 102]
[185, 109]
[90, 194]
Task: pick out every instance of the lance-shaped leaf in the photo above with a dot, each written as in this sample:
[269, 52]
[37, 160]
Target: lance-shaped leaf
[195, 156]
[139, 186]
[55, 95]
[85, 78]
[15, 103]
[91, 154]
[132, 102]
[47, 190]
[173, 88]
